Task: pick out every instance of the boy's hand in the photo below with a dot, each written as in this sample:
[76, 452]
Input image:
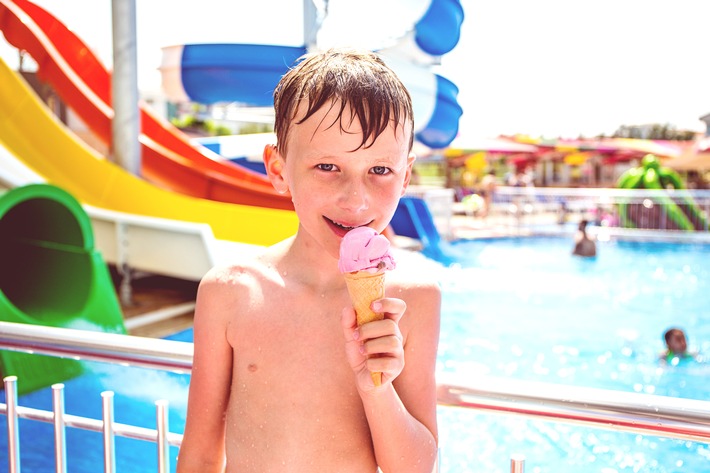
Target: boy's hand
[375, 346]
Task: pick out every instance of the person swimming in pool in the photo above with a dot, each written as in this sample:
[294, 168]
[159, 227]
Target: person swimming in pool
[676, 347]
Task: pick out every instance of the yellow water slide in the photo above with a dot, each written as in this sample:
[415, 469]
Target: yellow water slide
[31, 132]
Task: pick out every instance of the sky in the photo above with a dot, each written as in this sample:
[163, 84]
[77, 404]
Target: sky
[551, 68]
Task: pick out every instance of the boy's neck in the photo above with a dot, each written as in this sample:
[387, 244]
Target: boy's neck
[315, 268]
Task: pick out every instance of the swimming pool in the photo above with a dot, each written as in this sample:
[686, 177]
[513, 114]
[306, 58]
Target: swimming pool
[527, 309]
[515, 308]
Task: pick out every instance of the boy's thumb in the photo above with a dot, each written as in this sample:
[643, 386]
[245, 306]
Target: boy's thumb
[348, 320]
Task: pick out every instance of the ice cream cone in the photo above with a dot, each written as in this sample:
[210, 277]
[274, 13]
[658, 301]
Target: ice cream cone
[365, 287]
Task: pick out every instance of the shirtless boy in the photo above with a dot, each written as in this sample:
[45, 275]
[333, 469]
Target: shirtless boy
[281, 376]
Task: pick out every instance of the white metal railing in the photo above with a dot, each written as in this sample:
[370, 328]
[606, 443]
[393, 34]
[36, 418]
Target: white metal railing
[58, 417]
[606, 409]
[546, 209]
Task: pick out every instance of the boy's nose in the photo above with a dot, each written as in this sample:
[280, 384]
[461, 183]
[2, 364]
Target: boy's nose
[353, 197]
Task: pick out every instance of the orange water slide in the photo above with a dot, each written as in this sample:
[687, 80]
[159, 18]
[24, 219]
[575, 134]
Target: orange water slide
[169, 159]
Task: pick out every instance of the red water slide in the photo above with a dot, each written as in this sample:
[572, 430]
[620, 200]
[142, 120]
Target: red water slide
[169, 158]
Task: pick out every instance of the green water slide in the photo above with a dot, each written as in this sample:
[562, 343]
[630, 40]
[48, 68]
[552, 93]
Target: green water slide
[50, 274]
[682, 212]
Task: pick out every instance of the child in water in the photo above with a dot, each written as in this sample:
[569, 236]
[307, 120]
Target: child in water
[676, 347]
[281, 376]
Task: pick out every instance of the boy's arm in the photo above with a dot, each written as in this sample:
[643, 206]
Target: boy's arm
[202, 448]
[402, 415]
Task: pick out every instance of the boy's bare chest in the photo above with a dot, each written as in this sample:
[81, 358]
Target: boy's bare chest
[285, 335]
[291, 374]
[291, 381]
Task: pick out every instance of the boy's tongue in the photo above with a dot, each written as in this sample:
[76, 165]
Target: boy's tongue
[363, 249]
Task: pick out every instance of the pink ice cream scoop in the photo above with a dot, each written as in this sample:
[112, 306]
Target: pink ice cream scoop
[363, 249]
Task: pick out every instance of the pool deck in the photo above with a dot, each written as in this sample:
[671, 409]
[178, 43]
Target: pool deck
[150, 314]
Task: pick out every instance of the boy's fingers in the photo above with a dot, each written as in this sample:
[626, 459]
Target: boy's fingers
[390, 344]
[391, 307]
[380, 328]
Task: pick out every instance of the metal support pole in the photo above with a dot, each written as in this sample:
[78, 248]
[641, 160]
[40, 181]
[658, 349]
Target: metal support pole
[60, 445]
[161, 419]
[124, 269]
[126, 285]
[125, 126]
[13, 428]
[517, 463]
[108, 431]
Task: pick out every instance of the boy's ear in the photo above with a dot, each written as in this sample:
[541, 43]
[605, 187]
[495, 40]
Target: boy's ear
[408, 176]
[275, 168]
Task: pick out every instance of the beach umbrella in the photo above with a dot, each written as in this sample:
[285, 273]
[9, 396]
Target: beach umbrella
[694, 157]
[464, 144]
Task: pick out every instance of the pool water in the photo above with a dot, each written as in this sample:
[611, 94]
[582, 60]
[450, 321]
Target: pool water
[527, 309]
[513, 308]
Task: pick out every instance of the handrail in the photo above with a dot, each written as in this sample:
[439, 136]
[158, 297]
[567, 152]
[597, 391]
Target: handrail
[662, 416]
[87, 345]
[607, 409]
[603, 192]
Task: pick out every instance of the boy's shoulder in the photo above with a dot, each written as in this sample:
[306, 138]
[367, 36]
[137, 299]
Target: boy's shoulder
[246, 270]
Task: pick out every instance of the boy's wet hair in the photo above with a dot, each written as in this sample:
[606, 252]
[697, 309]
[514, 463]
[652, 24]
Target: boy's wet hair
[672, 331]
[342, 78]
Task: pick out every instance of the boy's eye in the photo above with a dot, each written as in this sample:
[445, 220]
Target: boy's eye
[381, 170]
[327, 167]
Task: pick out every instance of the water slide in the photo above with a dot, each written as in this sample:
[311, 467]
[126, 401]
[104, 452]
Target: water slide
[51, 274]
[169, 158]
[31, 132]
[410, 35]
[53, 270]
[681, 211]
[413, 219]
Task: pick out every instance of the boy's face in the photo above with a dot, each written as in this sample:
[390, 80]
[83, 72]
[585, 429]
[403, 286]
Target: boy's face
[334, 188]
[677, 343]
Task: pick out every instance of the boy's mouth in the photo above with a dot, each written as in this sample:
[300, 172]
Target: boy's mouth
[341, 228]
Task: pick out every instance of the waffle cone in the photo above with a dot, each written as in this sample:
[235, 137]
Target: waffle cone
[365, 287]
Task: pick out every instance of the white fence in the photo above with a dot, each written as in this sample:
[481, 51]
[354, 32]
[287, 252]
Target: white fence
[657, 214]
